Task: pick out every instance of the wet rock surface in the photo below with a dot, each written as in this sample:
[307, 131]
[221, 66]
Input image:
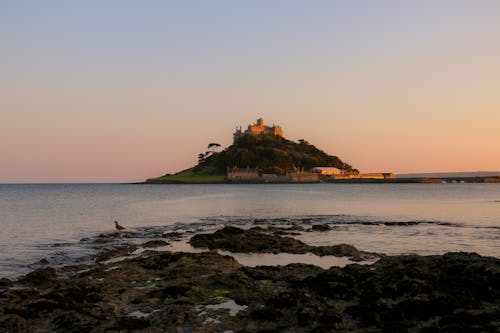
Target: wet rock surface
[254, 240]
[155, 243]
[258, 240]
[115, 252]
[209, 292]
[320, 227]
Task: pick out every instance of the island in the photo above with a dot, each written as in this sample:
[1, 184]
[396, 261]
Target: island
[261, 155]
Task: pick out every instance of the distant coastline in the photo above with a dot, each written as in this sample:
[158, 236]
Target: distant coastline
[466, 174]
[398, 180]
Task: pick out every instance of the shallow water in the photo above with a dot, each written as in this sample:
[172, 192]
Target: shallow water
[47, 221]
[282, 259]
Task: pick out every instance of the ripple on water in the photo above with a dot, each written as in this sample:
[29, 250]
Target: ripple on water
[367, 233]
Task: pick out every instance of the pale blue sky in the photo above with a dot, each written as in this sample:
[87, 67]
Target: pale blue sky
[125, 90]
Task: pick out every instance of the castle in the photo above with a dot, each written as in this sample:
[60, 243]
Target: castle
[258, 128]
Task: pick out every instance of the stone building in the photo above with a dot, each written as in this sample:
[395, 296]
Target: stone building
[253, 175]
[236, 173]
[327, 171]
[304, 177]
[258, 128]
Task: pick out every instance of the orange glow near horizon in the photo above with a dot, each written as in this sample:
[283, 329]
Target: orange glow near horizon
[141, 91]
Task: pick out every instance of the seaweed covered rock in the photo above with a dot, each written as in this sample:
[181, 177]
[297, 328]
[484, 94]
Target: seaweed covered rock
[155, 243]
[321, 227]
[456, 292]
[209, 292]
[115, 252]
[257, 240]
[40, 275]
[238, 240]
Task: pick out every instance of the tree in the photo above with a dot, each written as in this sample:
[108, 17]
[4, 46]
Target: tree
[213, 147]
[201, 158]
[303, 142]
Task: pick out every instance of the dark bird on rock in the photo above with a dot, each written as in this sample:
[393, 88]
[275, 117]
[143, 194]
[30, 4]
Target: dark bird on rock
[118, 227]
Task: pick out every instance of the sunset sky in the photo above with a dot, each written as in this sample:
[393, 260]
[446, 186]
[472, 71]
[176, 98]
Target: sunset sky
[120, 91]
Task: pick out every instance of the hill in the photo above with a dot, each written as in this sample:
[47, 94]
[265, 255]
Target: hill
[267, 152]
[271, 154]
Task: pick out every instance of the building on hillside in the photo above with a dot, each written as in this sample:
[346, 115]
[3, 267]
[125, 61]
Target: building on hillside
[431, 180]
[326, 171]
[258, 128]
[304, 177]
[350, 175]
[236, 173]
[346, 175]
[335, 173]
[385, 175]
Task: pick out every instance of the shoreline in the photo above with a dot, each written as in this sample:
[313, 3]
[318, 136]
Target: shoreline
[154, 290]
[418, 180]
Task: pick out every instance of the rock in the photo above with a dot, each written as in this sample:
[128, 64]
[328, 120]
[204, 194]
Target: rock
[4, 282]
[40, 275]
[176, 292]
[399, 292]
[239, 240]
[117, 235]
[278, 231]
[321, 227]
[401, 223]
[155, 243]
[41, 305]
[173, 234]
[67, 322]
[256, 240]
[179, 318]
[258, 229]
[132, 323]
[288, 273]
[116, 252]
[296, 228]
[42, 261]
[13, 323]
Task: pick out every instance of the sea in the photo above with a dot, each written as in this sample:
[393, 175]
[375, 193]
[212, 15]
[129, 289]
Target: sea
[52, 223]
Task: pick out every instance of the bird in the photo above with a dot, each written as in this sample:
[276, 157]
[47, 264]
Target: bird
[118, 227]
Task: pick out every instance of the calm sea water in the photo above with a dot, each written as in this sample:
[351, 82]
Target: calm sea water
[46, 221]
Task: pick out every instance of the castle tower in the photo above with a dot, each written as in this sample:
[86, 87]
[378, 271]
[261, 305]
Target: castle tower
[237, 134]
[257, 128]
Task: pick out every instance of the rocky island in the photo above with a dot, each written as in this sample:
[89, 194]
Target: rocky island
[260, 154]
[136, 283]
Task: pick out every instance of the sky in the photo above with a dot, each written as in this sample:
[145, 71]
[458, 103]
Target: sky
[121, 91]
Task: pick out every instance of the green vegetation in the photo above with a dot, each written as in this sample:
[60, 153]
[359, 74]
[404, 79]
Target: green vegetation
[267, 152]
[221, 293]
[189, 176]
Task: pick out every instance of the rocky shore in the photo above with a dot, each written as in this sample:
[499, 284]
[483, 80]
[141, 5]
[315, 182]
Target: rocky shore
[155, 290]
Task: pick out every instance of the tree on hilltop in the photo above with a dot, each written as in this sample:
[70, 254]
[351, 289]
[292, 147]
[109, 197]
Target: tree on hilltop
[213, 147]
